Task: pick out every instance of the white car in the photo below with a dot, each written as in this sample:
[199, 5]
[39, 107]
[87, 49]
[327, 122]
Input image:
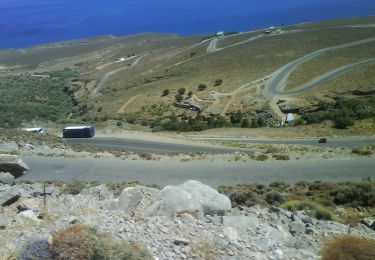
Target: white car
[37, 130]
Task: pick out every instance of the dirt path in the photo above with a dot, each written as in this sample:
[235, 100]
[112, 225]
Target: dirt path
[127, 103]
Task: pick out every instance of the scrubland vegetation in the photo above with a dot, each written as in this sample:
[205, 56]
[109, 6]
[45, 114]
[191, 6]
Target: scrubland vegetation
[319, 199]
[26, 98]
[349, 247]
[343, 112]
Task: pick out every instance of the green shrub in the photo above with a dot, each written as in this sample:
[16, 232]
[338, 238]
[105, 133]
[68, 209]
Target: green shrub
[279, 157]
[202, 87]
[342, 122]
[181, 91]
[349, 247]
[261, 157]
[165, 92]
[247, 198]
[179, 97]
[218, 82]
[274, 198]
[74, 187]
[360, 193]
[363, 152]
[313, 209]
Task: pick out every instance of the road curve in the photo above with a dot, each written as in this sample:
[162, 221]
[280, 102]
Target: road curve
[275, 83]
[145, 146]
[328, 76]
[211, 173]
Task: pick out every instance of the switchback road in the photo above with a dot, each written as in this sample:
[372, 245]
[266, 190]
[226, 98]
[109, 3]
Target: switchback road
[275, 84]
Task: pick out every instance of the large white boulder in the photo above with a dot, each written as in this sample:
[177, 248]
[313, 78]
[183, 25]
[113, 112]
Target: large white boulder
[191, 197]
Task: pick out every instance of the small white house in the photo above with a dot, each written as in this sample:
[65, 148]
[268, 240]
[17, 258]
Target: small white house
[220, 34]
[289, 118]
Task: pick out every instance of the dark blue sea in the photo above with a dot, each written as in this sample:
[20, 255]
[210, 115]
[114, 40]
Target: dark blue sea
[29, 22]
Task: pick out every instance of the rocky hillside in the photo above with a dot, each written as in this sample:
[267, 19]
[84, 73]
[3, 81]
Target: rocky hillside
[188, 221]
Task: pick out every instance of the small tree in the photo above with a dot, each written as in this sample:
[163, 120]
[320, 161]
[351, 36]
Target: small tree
[261, 122]
[179, 97]
[165, 92]
[342, 122]
[245, 123]
[202, 87]
[190, 93]
[181, 91]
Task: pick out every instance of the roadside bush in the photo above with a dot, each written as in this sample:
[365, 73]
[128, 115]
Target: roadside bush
[363, 152]
[83, 242]
[261, 157]
[37, 248]
[279, 185]
[311, 208]
[342, 122]
[360, 193]
[274, 198]
[279, 157]
[244, 197]
[74, 187]
[349, 247]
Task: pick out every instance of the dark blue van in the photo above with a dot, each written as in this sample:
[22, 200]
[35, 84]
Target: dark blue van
[78, 132]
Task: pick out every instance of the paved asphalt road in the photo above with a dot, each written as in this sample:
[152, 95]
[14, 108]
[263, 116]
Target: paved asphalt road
[328, 76]
[349, 142]
[211, 173]
[138, 145]
[274, 85]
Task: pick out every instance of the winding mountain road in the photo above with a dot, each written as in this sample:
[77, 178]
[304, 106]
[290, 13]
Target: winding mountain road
[110, 74]
[328, 76]
[275, 84]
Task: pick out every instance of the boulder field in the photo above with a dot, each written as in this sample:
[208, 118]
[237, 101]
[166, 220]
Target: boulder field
[188, 221]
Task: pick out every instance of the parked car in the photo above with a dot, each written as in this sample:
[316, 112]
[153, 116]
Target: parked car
[322, 140]
[78, 132]
[37, 130]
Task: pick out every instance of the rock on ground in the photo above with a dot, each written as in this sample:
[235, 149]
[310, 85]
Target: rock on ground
[13, 165]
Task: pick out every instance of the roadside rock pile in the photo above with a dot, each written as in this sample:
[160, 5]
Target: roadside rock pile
[188, 221]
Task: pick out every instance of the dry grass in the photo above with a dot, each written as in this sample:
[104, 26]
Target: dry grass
[349, 248]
